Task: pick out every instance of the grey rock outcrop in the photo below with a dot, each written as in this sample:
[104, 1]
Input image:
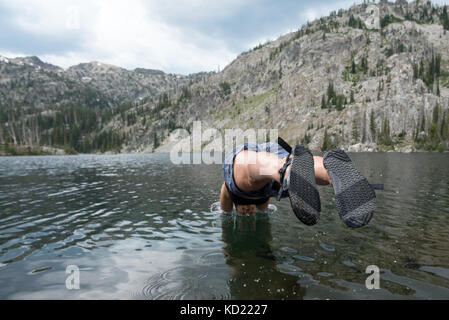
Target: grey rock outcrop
[364, 79]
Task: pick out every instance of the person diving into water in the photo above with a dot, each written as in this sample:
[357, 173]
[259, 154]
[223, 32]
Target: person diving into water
[254, 173]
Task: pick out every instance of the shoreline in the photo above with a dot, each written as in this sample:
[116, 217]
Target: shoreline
[42, 151]
[2, 155]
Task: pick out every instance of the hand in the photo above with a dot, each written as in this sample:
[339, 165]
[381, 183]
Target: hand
[246, 210]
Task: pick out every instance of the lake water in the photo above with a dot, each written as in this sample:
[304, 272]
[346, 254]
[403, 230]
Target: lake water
[140, 227]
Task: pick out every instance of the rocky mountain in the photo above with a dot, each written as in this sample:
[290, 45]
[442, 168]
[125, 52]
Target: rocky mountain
[373, 77]
[121, 85]
[29, 82]
[44, 105]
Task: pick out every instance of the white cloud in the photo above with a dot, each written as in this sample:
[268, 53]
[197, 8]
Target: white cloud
[169, 35]
[124, 33]
[321, 10]
[132, 35]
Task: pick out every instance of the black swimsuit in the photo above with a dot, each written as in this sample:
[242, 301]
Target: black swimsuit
[243, 201]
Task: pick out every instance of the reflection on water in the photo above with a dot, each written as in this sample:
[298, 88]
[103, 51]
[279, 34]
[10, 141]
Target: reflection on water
[139, 227]
[256, 273]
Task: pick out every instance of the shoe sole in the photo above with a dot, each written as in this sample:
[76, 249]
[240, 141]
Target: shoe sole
[304, 197]
[354, 196]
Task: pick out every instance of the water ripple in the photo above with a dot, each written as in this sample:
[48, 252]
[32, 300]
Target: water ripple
[124, 212]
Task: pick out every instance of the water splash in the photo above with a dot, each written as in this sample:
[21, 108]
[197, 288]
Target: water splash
[216, 208]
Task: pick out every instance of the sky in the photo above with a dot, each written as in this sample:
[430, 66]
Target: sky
[175, 36]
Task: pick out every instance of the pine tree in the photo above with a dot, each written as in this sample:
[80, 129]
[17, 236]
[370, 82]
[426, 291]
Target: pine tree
[372, 125]
[352, 22]
[331, 94]
[385, 137]
[355, 131]
[340, 100]
[323, 102]
[306, 139]
[364, 127]
[444, 19]
[444, 129]
[327, 145]
[433, 135]
[435, 114]
[155, 141]
[364, 65]
[437, 65]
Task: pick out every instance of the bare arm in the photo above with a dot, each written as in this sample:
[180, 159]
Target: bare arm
[225, 200]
